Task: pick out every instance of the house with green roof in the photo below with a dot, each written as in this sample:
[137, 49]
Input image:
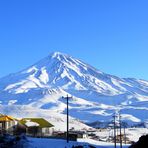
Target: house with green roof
[37, 127]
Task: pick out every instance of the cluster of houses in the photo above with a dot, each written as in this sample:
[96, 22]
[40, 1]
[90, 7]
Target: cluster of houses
[40, 127]
[37, 127]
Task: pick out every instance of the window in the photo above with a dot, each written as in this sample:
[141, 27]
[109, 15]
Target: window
[47, 130]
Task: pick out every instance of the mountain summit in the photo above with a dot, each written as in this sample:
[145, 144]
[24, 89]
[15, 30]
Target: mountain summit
[96, 95]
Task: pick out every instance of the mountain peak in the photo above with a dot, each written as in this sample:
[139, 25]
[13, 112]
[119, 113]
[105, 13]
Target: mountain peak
[58, 54]
[95, 93]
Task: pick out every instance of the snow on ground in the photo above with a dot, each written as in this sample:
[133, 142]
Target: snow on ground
[132, 133]
[135, 133]
[56, 143]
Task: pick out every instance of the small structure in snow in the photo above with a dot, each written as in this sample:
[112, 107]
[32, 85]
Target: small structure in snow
[37, 127]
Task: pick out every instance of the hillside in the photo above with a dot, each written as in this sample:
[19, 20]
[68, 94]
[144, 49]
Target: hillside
[38, 90]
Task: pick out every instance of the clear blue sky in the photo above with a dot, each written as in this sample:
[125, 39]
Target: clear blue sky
[111, 35]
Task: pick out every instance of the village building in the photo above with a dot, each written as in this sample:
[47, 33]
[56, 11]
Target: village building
[37, 127]
[73, 135]
[7, 124]
[79, 134]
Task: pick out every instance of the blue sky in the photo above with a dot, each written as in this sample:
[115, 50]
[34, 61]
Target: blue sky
[111, 35]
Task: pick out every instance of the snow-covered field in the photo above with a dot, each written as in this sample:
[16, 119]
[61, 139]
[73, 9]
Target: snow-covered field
[55, 143]
[133, 134]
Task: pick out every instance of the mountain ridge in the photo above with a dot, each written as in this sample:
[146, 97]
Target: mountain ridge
[96, 95]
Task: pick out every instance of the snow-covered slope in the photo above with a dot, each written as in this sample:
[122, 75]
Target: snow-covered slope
[96, 95]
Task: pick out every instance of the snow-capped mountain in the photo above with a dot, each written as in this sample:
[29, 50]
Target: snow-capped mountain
[96, 95]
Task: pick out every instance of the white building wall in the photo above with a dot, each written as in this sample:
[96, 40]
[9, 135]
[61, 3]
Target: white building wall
[47, 131]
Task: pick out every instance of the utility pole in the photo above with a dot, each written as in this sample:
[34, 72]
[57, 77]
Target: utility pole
[124, 135]
[67, 102]
[114, 116]
[120, 130]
